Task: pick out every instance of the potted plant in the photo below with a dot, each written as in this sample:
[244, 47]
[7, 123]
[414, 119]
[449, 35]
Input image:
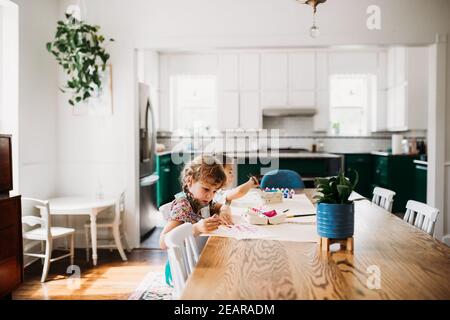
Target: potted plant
[78, 49]
[335, 212]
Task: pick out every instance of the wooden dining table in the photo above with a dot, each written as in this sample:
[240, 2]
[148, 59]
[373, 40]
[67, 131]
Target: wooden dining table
[391, 260]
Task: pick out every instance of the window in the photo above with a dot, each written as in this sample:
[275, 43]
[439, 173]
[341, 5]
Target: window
[194, 101]
[350, 99]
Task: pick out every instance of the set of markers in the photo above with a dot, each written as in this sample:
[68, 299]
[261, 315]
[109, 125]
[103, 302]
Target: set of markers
[287, 193]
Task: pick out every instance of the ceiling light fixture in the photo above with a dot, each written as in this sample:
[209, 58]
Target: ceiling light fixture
[314, 31]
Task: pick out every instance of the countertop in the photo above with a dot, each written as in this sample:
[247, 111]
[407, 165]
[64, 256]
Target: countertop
[389, 154]
[285, 155]
[425, 163]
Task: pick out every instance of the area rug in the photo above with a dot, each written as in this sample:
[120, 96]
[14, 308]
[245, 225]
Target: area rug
[153, 287]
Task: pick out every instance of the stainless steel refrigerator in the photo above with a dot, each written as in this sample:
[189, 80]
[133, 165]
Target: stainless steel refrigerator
[148, 176]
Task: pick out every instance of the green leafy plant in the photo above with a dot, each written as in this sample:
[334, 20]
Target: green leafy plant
[335, 189]
[78, 49]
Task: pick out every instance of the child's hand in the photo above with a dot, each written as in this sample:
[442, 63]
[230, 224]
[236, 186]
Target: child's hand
[206, 225]
[253, 182]
[225, 215]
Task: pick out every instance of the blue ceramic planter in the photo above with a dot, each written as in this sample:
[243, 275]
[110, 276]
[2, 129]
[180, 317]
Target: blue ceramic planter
[335, 221]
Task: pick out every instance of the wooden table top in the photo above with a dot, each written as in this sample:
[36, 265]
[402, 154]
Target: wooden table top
[411, 264]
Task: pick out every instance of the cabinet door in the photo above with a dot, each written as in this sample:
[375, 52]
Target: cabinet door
[400, 107]
[322, 118]
[302, 72]
[249, 111]
[274, 71]
[228, 115]
[249, 75]
[228, 72]
[399, 65]
[322, 71]
[302, 99]
[274, 99]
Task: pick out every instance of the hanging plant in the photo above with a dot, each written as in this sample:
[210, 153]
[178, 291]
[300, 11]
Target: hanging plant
[78, 49]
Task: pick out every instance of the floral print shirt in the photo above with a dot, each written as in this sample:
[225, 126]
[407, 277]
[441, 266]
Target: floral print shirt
[181, 210]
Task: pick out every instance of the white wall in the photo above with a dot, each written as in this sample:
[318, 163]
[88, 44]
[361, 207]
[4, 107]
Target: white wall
[38, 88]
[206, 24]
[9, 77]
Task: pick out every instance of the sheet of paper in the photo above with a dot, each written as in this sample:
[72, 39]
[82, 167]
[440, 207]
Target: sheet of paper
[299, 229]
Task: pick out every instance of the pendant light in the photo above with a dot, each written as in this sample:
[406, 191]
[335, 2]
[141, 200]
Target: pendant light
[314, 31]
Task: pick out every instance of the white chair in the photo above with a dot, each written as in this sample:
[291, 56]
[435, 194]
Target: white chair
[45, 233]
[116, 225]
[183, 254]
[421, 216]
[165, 210]
[383, 197]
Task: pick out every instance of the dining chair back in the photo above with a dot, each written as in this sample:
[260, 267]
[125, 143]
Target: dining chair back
[282, 178]
[421, 216]
[383, 197]
[183, 254]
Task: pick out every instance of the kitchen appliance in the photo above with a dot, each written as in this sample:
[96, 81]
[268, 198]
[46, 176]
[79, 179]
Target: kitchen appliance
[147, 163]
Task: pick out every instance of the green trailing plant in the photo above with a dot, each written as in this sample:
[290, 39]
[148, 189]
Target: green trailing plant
[78, 49]
[335, 190]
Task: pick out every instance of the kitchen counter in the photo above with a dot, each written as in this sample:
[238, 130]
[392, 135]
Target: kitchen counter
[284, 155]
[389, 154]
[424, 163]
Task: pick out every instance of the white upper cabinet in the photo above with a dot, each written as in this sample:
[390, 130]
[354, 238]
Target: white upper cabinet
[274, 71]
[407, 93]
[302, 71]
[228, 112]
[322, 71]
[249, 112]
[249, 75]
[228, 72]
[353, 62]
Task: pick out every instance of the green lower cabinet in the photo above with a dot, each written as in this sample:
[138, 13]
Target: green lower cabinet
[363, 164]
[163, 186]
[420, 182]
[397, 174]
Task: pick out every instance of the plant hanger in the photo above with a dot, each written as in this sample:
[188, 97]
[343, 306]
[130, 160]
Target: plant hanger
[78, 49]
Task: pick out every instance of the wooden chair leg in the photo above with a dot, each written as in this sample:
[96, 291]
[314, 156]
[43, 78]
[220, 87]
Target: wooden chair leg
[48, 256]
[86, 237]
[72, 249]
[116, 234]
[42, 251]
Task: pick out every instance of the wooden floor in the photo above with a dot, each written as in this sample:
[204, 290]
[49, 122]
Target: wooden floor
[110, 279]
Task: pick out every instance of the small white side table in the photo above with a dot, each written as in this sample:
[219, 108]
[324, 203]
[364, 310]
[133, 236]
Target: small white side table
[73, 206]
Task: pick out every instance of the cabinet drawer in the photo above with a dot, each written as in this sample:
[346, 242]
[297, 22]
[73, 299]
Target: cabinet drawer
[9, 212]
[5, 165]
[8, 242]
[10, 275]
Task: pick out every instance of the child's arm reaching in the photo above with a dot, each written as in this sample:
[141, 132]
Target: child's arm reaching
[242, 189]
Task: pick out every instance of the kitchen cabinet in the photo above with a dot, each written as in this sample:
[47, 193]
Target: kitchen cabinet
[363, 164]
[322, 118]
[163, 186]
[249, 72]
[395, 172]
[274, 71]
[407, 91]
[249, 113]
[169, 183]
[229, 105]
[228, 72]
[420, 181]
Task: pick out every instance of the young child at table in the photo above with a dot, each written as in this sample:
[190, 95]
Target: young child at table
[201, 179]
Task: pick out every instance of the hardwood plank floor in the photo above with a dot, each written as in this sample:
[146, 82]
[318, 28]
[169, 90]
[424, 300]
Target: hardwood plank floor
[110, 279]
